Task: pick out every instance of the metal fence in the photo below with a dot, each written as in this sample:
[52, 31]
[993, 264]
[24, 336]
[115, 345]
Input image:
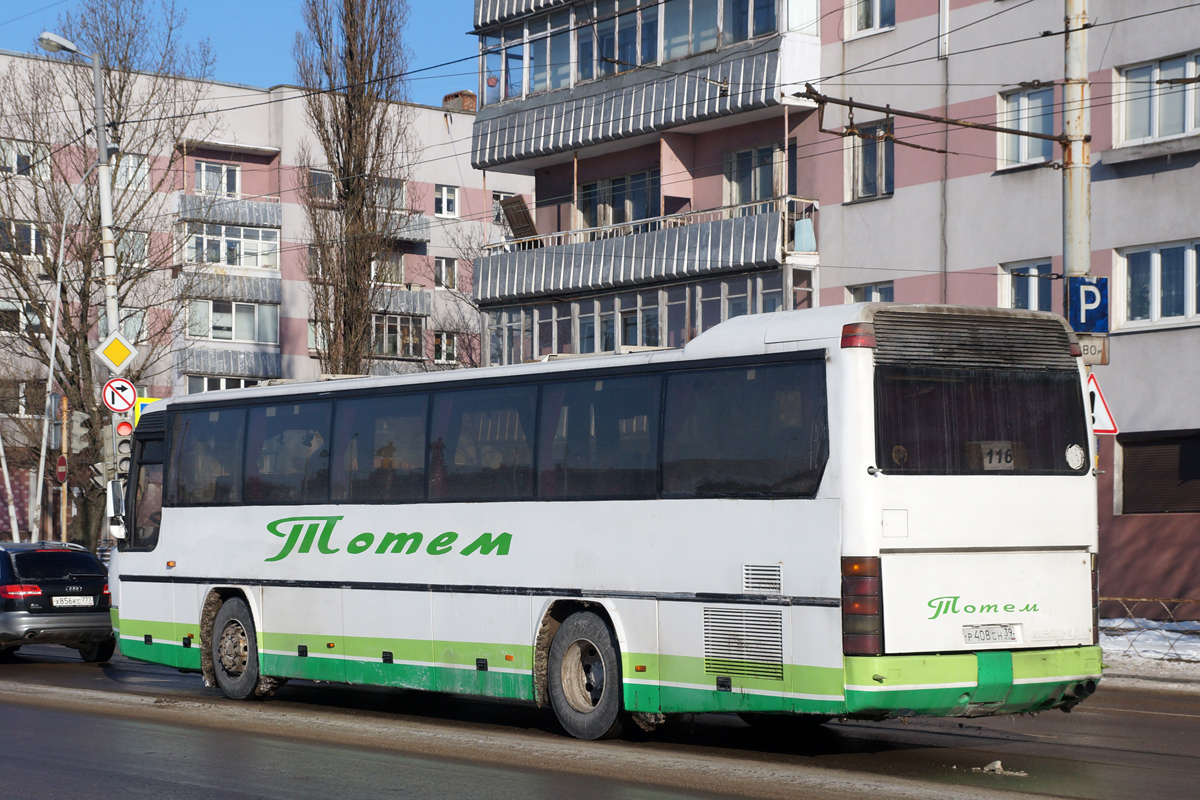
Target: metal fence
[1148, 627]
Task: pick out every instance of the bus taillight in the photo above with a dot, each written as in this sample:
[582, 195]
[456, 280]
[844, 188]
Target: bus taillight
[858, 334]
[862, 606]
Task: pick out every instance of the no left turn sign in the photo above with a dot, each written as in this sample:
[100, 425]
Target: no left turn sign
[119, 395]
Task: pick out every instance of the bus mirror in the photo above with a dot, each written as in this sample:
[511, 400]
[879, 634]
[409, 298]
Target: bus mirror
[115, 510]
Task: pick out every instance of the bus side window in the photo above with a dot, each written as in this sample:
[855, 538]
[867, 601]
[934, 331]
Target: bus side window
[287, 453]
[481, 447]
[379, 449]
[206, 457]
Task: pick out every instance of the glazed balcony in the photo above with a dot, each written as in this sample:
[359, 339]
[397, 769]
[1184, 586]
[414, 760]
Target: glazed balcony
[762, 234]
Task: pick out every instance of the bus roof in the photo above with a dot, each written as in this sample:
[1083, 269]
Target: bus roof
[753, 334]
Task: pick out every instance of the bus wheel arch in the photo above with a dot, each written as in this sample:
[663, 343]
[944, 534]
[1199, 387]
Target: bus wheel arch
[552, 618]
[214, 602]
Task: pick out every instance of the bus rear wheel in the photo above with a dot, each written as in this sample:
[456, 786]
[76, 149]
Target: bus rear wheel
[585, 678]
[235, 650]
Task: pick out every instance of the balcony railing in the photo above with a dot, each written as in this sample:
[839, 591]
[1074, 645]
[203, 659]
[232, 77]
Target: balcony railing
[799, 231]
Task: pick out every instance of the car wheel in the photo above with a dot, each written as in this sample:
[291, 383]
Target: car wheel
[235, 650]
[98, 652]
[585, 678]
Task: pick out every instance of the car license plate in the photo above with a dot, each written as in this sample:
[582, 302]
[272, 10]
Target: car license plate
[73, 602]
[989, 634]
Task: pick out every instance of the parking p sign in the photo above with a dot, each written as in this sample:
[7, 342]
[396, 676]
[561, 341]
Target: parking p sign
[1087, 304]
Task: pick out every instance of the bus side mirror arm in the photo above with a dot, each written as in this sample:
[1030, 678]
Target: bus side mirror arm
[114, 510]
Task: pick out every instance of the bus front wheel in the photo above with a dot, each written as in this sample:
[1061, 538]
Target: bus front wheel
[235, 650]
[585, 677]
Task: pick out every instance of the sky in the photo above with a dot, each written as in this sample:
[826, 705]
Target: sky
[253, 39]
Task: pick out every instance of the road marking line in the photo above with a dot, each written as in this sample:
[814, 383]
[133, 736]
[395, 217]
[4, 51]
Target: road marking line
[1092, 707]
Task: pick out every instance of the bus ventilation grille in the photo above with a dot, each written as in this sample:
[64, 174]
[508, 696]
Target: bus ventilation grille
[746, 643]
[972, 341]
[762, 579]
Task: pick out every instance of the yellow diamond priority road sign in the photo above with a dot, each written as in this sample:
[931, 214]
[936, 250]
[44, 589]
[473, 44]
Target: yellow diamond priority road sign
[116, 352]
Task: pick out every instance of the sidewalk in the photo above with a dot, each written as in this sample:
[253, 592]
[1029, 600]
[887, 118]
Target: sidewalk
[1122, 668]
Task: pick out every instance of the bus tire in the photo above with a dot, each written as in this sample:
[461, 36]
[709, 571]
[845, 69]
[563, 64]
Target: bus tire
[235, 650]
[585, 678]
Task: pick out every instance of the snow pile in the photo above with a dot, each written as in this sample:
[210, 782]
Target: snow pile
[1150, 639]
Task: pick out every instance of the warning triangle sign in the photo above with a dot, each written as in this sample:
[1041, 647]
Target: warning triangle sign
[1102, 418]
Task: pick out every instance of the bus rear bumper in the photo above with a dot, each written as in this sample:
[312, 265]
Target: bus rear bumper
[970, 684]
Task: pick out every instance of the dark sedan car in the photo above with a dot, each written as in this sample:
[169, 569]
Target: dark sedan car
[54, 593]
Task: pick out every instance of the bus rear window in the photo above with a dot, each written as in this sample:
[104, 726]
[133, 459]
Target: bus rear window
[944, 421]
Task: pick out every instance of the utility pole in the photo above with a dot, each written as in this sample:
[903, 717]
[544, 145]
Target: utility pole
[1077, 146]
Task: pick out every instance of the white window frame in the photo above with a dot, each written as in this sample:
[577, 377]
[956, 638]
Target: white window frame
[875, 8]
[1130, 90]
[132, 171]
[1012, 273]
[133, 323]
[444, 268]
[192, 322]
[224, 169]
[733, 197]
[443, 195]
[23, 409]
[226, 383]
[194, 252]
[1014, 111]
[412, 347]
[1155, 319]
[378, 276]
[37, 157]
[445, 347]
[321, 185]
[885, 157]
[15, 230]
[497, 211]
[871, 292]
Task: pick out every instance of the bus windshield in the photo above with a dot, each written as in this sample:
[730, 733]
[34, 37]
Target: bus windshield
[933, 420]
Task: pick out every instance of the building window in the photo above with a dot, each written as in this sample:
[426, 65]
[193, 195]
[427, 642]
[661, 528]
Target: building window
[132, 172]
[133, 324]
[873, 293]
[205, 383]
[390, 194]
[233, 322]
[321, 185]
[24, 158]
[497, 209]
[23, 398]
[17, 318]
[873, 15]
[388, 268]
[1031, 111]
[1161, 475]
[1030, 286]
[445, 347]
[1161, 99]
[1161, 284]
[626, 198]
[131, 248]
[747, 18]
[445, 201]
[232, 245]
[445, 273]
[750, 175]
[21, 238]
[218, 180]
[398, 336]
[873, 154]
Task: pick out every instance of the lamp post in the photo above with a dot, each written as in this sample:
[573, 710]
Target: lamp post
[53, 43]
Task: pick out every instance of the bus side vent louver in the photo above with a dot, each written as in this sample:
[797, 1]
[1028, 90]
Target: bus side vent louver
[762, 579]
[745, 643]
[972, 341]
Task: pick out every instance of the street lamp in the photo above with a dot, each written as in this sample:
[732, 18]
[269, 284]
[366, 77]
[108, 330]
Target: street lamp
[53, 43]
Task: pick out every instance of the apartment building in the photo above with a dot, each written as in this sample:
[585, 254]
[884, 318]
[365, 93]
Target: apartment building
[238, 277]
[682, 178]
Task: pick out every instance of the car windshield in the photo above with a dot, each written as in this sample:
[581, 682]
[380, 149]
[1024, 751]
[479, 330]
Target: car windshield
[43, 564]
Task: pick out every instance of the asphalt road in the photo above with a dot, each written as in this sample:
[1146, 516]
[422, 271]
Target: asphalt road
[139, 730]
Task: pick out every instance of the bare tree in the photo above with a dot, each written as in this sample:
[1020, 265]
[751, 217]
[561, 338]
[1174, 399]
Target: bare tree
[153, 88]
[352, 60]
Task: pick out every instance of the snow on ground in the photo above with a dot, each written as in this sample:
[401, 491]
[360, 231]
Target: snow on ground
[1159, 651]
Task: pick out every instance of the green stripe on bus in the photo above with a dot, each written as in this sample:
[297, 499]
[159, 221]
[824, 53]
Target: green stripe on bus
[162, 651]
[488, 683]
[1051, 664]
[696, 700]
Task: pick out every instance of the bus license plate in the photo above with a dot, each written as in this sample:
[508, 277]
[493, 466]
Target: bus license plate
[73, 602]
[989, 634]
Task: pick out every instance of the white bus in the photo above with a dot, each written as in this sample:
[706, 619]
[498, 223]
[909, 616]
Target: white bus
[870, 511]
